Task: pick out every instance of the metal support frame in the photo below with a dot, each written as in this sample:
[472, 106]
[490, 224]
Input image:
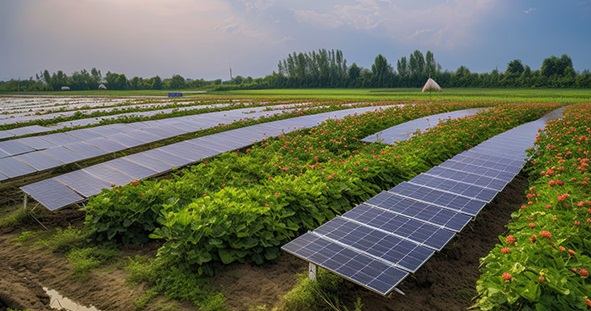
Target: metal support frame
[312, 271]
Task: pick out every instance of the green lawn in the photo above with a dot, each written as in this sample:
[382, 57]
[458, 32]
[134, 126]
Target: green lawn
[566, 96]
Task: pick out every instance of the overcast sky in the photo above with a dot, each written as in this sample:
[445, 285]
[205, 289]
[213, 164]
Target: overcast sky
[201, 38]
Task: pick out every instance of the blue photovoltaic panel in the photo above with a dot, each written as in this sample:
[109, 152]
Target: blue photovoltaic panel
[82, 182]
[143, 136]
[471, 191]
[84, 134]
[85, 150]
[479, 170]
[400, 252]
[149, 162]
[36, 142]
[105, 130]
[3, 177]
[20, 131]
[38, 160]
[132, 169]
[358, 268]
[420, 232]
[477, 159]
[477, 152]
[166, 157]
[62, 154]
[106, 144]
[497, 166]
[13, 168]
[125, 140]
[215, 142]
[108, 174]
[61, 139]
[183, 150]
[13, 147]
[513, 161]
[445, 199]
[420, 210]
[52, 194]
[478, 180]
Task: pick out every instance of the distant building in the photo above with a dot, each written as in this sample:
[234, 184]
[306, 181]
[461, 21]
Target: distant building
[65, 88]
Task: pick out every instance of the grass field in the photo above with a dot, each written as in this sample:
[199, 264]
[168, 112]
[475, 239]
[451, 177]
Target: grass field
[565, 96]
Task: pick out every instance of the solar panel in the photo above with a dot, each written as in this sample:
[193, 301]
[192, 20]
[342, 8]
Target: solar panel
[166, 157]
[3, 177]
[36, 142]
[108, 174]
[38, 160]
[400, 252]
[144, 136]
[452, 201]
[420, 232]
[358, 268]
[513, 160]
[423, 211]
[149, 162]
[60, 139]
[478, 180]
[453, 186]
[105, 130]
[62, 154]
[85, 150]
[13, 168]
[13, 147]
[84, 134]
[132, 169]
[52, 194]
[125, 140]
[484, 171]
[106, 144]
[489, 164]
[82, 182]
[33, 129]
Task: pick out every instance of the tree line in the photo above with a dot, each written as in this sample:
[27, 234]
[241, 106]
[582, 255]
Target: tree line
[329, 69]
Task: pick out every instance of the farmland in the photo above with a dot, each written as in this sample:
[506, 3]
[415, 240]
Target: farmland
[208, 236]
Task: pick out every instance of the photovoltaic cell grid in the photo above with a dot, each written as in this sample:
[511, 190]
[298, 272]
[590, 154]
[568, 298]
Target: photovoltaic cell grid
[91, 180]
[425, 212]
[54, 150]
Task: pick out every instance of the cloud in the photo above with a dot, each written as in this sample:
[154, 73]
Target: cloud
[529, 11]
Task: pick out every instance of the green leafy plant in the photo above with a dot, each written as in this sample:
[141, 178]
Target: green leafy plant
[543, 261]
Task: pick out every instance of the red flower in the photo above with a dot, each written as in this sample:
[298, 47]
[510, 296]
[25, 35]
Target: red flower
[588, 302]
[532, 225]
[506, 276]
[545, 234]
[505, 250]
[510, 239]
[541, 279]
[570, 251]
[561, 248]
[583, 272]
[533, 239]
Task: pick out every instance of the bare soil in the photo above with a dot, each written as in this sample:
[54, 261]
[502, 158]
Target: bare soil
[446, 282]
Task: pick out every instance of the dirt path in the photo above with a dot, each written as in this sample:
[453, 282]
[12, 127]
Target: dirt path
[446, 282]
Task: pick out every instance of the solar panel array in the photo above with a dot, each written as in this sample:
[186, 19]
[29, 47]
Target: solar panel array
[79, 185]
[400, 229]
[405, 130]
[24, 156]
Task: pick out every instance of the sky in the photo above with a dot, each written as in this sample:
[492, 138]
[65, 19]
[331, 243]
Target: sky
[202, 39]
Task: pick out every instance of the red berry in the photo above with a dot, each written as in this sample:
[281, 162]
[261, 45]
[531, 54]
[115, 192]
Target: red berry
[545, 234]
[506, 276]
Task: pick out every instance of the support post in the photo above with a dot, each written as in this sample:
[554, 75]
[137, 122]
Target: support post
[312, 271]
[25, 201]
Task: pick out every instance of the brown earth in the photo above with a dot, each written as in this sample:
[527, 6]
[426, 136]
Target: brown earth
[446, 282]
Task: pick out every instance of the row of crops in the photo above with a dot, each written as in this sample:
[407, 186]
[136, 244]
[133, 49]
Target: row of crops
[242, 206]
[543, 262]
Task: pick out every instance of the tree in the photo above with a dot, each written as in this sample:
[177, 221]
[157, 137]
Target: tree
[514, 68]
[382, 71]
[177, 82]
[354, 73]
[555, 66]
